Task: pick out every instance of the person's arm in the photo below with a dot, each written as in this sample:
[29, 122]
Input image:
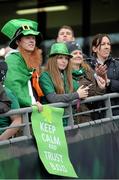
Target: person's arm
[49, 91]
[113, 77]
[17, 78]
[5, 103]
[113, 85]
[16, 120]
[82, 93]
[39, 106]
[54, 98]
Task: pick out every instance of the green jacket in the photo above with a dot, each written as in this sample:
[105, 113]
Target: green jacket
[17, 78]
[48, 88]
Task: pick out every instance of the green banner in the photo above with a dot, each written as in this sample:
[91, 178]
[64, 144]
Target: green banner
[51, 142]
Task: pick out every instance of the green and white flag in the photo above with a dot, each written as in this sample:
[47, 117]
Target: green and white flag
[51, 142]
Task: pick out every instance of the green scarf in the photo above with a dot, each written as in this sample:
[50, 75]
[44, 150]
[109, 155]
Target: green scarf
[77, 73]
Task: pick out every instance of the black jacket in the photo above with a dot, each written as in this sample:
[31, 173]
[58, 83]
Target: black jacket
[113, 75]
[5, 103]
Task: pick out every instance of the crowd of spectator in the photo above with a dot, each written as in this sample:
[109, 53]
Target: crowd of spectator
[66, 76]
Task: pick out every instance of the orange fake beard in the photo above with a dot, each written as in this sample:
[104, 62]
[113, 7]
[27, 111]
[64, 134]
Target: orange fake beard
[33, 60]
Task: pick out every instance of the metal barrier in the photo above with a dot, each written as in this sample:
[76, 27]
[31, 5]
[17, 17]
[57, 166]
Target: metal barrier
[25, 126]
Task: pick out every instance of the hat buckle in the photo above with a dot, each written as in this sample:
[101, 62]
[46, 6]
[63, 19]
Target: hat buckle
[25, 27]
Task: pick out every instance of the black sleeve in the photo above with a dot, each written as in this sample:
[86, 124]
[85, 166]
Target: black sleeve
[5, 103]
[54, 98]
[114, 85]
[113, 75]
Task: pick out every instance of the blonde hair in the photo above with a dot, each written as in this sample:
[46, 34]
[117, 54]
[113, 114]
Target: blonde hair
[85, 65]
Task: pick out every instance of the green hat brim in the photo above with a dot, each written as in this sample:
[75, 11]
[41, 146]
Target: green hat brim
[59, 48]
[30, 32]
[13, 44]
[54, 54]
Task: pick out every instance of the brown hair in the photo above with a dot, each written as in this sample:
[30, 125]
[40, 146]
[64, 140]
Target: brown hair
[66, 27]
[97, 42]
[53, 70]
[85, 65]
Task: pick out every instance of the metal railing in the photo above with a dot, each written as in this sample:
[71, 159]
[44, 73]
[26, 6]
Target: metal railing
[26, 129]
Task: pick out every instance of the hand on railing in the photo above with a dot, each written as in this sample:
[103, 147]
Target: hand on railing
[40, 106]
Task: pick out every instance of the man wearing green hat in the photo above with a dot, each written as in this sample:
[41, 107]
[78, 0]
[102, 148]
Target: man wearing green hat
[24, 63]
[56, 81]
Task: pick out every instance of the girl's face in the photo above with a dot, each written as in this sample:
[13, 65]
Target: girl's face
[62, 62]
[77, 57]
[103, 50]
[28, 43]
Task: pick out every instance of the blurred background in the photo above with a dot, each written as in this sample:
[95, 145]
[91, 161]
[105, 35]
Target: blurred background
[86, 17]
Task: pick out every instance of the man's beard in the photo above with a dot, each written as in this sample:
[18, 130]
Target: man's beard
[33, 60]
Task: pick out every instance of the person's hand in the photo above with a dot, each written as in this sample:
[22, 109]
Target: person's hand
[1, 138]
[101, 70]
[101, 82]
[83, 91]
[40, 106]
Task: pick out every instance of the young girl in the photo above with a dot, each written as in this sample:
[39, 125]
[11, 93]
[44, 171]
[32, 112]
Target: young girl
[56, 81]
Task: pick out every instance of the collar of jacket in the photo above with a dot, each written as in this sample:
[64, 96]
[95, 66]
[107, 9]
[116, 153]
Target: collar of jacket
[109, 59]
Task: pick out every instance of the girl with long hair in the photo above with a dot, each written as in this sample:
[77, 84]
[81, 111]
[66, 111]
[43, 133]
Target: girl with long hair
[56, 80]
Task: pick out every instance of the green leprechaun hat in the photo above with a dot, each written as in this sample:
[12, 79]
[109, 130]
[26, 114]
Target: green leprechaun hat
[59, 49]
[16, 28]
